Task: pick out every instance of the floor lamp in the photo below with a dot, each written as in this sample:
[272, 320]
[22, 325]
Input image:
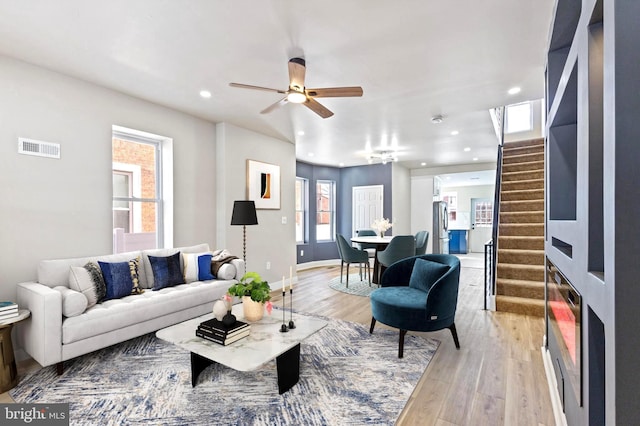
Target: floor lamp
[244, 213]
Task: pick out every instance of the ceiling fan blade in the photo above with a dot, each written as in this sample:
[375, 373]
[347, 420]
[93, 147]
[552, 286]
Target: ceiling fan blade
[318, 108]
[296, 73]
[335, 92]
[248, 86]
[271, 107]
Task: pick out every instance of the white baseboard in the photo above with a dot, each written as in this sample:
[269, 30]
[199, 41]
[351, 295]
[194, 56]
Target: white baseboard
[317, 264]
[556, 404]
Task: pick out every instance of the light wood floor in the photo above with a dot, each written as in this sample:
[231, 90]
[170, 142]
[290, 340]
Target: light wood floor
[496, 378]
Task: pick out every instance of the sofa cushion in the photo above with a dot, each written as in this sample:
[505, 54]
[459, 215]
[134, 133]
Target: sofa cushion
[146, 264]
[166, 271]
[134, 267]
[98, 280]
[81, 281]
[425, 273]
[118, 279]
[197, 267]
[227, 271]
[135, 309]
[74, 303]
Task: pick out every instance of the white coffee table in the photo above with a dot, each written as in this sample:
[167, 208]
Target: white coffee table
[264, 343]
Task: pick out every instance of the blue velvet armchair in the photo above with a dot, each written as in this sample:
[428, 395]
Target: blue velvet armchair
[418, 294]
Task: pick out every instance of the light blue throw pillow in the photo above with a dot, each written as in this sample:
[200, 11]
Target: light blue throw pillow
[425, 273]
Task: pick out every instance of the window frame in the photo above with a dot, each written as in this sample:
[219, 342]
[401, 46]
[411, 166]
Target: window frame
[507, 115]
[304, 209]
[331, 209]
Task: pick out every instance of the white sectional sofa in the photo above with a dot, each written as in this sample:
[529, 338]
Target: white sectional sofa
[50, 337]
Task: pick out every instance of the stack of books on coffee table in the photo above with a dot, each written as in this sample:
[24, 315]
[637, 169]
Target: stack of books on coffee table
[216, 331]
[8, 310]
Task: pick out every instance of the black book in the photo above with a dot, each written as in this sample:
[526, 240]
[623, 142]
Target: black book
[214, 325]
[221, 340]
[222, 335]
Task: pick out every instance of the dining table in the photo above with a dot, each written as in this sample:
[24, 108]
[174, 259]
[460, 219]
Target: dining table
[381, 243]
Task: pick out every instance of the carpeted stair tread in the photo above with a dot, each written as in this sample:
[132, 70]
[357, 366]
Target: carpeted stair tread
[523, 184]
[521, 229]
[517, 150]
[522, 194]
[521, 256]
[524, 143]
[521, 242]
[521, 205]
[522, 217]
[522, 175]
[520, 288]
[518, 167]
[520, 305]
[520, 272]
[514, 158]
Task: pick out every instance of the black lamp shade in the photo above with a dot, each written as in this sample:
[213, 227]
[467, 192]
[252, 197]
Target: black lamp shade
[244, 213]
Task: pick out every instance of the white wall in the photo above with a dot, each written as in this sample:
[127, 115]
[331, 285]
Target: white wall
[62, 208]
[422, 206]
[401, 200]
[270, 240]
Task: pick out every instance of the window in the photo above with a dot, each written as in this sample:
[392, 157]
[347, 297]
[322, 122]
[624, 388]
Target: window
[451, 198]
[325, 210]
[519, 118]
[301, 210]
[484, 213]
[138, 209]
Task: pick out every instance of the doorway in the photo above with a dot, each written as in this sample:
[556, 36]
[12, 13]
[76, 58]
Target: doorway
[481, 223]
[367, 206]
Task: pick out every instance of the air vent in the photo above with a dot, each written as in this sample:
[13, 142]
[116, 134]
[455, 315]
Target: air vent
[38, 148]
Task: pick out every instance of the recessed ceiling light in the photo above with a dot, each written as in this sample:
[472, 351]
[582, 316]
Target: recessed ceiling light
[455, 132]
[341, 164]
[311, 154]
[205, 94]
[423, 164]
[514, 90]
[475, 158]
[448, 177]
[301, 133]
[467, 149]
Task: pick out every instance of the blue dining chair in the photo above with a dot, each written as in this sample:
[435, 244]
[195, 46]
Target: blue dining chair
[422, 237]
[349, 255]
[369, 248]
[418, 294]
[400, 247]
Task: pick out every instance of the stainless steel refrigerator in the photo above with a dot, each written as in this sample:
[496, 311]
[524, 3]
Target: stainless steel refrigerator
[440, 227]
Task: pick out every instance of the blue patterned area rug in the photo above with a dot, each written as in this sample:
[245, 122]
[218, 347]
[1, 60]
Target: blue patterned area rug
[347, 377]
[356, 286]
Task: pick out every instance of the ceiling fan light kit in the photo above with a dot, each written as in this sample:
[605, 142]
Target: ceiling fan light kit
[297, 93]
[383, 156]
[437, 119]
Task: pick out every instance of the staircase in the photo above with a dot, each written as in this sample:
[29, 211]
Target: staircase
[520, 261]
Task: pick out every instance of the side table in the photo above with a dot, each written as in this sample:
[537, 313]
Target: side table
[8, 370]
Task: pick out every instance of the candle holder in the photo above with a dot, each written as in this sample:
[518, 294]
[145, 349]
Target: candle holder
[283, 327]
[292, 324]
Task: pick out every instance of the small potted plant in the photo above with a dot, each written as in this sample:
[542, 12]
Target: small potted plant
[255, 294]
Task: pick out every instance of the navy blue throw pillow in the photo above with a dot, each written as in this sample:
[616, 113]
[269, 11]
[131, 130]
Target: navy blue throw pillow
[425, 273]
[166, 271]
[117, 279]
[204, 268]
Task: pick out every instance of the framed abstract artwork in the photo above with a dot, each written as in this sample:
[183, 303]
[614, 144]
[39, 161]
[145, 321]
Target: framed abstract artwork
[263, 184]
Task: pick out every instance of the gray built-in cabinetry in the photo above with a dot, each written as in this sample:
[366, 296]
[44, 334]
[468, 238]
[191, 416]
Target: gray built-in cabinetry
[593, 203]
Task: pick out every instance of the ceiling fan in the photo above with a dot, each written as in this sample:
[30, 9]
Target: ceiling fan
[297, 93]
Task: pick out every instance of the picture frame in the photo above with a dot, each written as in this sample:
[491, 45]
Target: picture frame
[263, 185]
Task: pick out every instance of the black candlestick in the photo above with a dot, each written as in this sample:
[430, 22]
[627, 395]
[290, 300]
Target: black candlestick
[283, 327]
[292, 324]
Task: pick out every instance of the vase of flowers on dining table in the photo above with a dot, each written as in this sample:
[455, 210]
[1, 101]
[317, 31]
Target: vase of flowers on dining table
[381, 226]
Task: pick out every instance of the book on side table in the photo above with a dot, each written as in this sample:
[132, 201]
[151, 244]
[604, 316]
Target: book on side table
[8, 310]
[216, 331]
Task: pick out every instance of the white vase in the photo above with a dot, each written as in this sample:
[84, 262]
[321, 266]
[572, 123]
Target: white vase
[219, 309]
[253, 311]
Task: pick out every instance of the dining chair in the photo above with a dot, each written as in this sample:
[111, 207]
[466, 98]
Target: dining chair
[400, 247]
[349, 255]
[368, 247]
[422, 237]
